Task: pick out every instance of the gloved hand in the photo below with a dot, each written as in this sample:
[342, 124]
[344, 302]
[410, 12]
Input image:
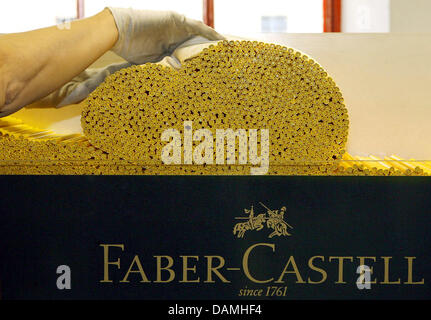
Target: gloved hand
[78, 88]
[82, 85]
[149, 36]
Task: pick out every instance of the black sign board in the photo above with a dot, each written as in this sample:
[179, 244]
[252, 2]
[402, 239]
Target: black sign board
[184, 237]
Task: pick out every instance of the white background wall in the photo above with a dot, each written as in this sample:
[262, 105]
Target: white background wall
[386, 16]
[231, 16]
[191, 8]
[366, 15]
[410, 15]
[238, 17]
[24, 15]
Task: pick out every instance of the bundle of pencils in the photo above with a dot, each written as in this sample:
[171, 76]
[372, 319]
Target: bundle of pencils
[237, 86]
[232, 85]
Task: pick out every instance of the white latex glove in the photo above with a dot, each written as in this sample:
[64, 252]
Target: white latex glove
[78, 88]
[81, 86]
[149, 36]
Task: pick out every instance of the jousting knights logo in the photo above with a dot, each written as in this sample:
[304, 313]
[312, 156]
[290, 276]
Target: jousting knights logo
[273, 219]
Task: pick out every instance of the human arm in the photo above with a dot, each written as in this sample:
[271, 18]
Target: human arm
[33, 64]
[39, 62]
